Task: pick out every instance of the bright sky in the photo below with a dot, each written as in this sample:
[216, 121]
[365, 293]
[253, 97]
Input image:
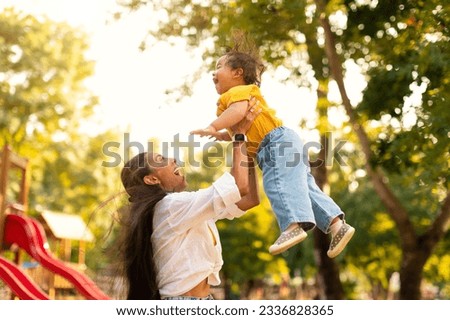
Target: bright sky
[131, 84]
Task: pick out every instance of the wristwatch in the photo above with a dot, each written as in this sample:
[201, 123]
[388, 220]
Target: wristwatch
[239, 137]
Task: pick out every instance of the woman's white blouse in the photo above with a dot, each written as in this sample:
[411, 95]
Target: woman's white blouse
[184, 233]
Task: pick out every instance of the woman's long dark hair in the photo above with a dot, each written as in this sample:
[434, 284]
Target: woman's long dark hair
[136, 245]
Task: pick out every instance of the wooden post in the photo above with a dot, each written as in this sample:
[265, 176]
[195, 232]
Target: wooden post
[4, 168]
[67, 250]
[24, 186]
[10, 160]
[81, 252]
[62, 246]
[51, 284]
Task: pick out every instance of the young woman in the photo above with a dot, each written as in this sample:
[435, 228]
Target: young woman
[171, 246]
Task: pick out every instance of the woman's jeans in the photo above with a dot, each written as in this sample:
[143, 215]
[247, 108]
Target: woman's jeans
[289, 184]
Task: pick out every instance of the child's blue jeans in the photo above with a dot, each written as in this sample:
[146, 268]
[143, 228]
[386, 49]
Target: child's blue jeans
[289, 184]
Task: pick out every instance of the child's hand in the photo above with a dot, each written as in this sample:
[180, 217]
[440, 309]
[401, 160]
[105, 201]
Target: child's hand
[208, 131]
[221, 136]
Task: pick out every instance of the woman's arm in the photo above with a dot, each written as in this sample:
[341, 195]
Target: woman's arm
[251, 198]
[239, 170]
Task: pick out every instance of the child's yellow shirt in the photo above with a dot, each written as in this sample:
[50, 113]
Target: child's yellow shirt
[266, 120]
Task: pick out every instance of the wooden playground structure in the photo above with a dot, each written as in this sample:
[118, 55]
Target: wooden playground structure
[10, 161]
[21, 235]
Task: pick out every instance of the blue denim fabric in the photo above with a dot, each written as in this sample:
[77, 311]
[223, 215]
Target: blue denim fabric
[208, 297]
[289, 184]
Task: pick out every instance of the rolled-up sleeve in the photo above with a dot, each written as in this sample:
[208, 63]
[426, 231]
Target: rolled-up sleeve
[187, 209]
[230, 195]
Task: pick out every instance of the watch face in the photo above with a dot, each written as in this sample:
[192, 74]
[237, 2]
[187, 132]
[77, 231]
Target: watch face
[239, 137]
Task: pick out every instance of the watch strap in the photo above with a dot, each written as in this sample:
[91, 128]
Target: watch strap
[239, 137]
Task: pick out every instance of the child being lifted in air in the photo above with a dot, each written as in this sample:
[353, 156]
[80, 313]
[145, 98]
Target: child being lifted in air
[297, 201]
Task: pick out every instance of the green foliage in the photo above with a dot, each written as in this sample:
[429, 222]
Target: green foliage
[245, 254]
[408, 88]
[437, 269]
[200, 21]
[43, 102]
[394, 84]
[42, 68]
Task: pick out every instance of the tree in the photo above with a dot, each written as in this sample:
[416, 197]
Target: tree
[392, 42]
[400, 68]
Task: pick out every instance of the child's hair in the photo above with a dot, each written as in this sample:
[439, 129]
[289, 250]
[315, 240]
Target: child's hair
[244, 54]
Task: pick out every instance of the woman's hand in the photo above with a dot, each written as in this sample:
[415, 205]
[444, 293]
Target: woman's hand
[254, 109]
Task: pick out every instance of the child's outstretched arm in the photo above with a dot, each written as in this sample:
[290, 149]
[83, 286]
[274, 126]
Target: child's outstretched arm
[222, 136]
[231, 116]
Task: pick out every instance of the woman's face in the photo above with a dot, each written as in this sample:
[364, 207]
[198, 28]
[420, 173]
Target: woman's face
[165, 172]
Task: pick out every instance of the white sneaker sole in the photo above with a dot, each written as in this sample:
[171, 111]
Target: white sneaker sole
[277, 249]
[341, 244]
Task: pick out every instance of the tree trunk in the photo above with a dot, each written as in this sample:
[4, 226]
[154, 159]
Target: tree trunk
[411, 273]
[330, 286]
[329, 281]
[416, 250]
[226, 287]
[247, 289]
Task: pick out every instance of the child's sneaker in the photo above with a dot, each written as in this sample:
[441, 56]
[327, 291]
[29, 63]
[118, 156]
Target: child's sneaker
[340, 240]
[288, 239]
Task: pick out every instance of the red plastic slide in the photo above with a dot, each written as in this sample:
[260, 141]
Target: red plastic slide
[29, 235]
[21, 284]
